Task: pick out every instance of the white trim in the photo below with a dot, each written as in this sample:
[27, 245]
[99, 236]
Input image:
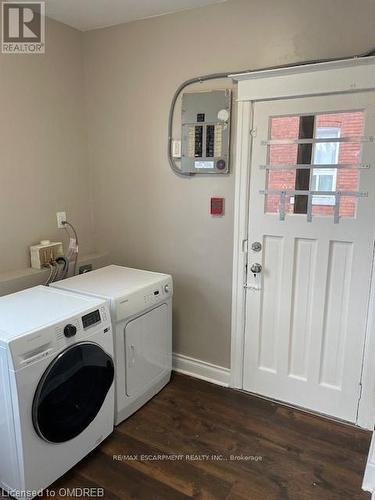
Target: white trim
[203, 370]
[369, 480]
[304, 68]
[366, 406]
[242, 171]
[368, 483]
[311, 79]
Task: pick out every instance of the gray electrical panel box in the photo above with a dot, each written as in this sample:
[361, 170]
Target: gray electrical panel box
[206, 132]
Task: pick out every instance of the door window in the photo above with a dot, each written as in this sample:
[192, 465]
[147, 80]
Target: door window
[325, 153]
[322, 139]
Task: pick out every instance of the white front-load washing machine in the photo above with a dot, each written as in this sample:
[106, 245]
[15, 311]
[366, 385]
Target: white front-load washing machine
[56, 385]
[141, 309]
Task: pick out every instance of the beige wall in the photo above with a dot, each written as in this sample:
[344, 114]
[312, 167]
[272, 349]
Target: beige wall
[43, 147]
[146, 215]
[143, 213]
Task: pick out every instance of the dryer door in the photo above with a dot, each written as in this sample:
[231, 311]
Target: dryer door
[148, 349]
[71, 392]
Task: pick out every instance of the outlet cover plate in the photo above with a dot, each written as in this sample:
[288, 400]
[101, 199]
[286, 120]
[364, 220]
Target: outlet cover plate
[61, 217]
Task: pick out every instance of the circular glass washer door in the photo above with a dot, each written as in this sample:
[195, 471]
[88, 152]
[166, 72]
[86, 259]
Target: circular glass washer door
[71, 392]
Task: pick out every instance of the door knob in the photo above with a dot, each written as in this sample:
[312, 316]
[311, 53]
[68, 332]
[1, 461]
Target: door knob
[256, 268]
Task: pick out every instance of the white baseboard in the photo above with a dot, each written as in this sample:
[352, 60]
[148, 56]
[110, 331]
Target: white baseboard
[369, 479]
[201, 369]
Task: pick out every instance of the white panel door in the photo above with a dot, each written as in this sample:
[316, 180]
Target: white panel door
[306, 309]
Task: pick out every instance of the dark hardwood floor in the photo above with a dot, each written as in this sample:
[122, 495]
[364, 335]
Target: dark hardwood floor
[202, 425]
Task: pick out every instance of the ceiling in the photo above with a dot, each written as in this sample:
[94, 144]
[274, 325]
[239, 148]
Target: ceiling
[85, 15]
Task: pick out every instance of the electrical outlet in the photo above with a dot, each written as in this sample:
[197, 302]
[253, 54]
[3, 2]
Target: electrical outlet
[61, 217]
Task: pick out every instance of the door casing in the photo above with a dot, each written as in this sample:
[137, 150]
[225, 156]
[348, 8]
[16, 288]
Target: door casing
[310, 80]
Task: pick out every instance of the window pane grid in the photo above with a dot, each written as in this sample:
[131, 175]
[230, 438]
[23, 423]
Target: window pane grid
[315, 153]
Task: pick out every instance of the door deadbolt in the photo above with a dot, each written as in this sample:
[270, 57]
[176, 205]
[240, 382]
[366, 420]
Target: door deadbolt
[256, 268]
[256, 246]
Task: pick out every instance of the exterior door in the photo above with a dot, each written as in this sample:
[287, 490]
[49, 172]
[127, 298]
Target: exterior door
[311, 230]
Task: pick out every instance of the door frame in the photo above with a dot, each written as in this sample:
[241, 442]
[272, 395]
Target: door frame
[346, 76]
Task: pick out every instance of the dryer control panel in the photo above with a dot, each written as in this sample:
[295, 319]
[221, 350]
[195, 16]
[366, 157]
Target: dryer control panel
[143, 298]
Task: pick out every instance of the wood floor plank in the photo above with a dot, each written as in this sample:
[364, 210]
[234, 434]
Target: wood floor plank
[124, 481]
[177, 473]
[72, 484]
[304, 457]
[235, 441]
[268, 474]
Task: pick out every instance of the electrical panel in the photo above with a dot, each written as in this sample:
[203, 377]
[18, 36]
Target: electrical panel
[206, 132]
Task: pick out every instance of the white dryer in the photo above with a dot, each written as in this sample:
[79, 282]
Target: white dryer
[56, 385]
[141, 309]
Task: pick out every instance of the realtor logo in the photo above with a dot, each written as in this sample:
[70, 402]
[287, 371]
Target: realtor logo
[23, 28]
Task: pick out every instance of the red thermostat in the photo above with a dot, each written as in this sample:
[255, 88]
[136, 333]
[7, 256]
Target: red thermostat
[217, 206]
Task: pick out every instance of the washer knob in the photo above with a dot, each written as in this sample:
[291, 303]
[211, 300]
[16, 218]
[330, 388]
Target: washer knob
[70, 331]
[166, 288]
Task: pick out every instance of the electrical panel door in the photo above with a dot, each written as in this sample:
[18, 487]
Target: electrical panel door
[206, 132]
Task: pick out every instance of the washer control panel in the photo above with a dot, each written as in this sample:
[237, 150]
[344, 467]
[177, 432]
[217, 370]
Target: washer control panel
[43, 343]
[91, 319]
[79, 327]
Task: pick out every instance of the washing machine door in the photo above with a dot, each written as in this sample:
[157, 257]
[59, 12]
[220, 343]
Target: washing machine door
[71, 392]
